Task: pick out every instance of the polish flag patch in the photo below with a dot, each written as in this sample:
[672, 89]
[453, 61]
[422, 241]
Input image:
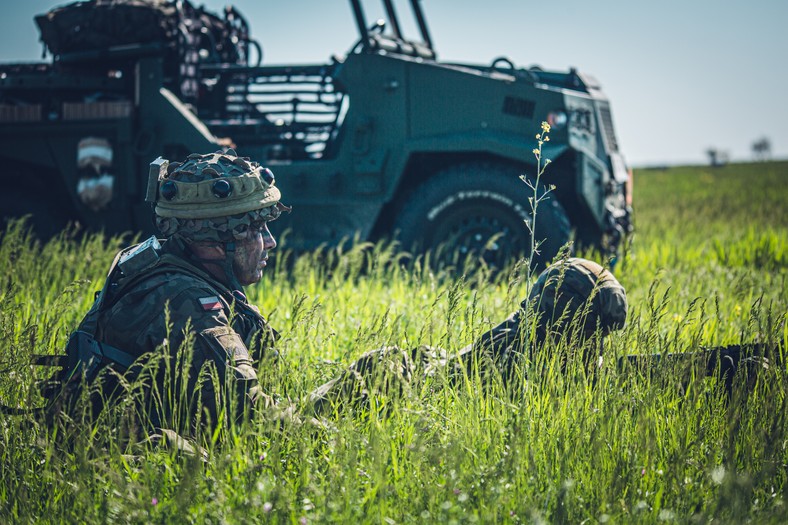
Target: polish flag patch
[210, 303]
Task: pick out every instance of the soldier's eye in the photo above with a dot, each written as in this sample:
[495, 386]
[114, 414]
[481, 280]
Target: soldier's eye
[258, 226]
[274, 214]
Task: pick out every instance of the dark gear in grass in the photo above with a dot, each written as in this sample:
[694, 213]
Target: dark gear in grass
[575, 299]
[188, 291]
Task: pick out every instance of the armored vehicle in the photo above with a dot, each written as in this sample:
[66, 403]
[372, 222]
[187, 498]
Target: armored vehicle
[383, 141]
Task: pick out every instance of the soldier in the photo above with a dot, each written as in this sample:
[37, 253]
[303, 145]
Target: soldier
[213, 211]
[575, 300]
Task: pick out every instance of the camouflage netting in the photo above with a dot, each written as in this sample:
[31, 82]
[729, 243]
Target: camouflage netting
[580, 289]
[215, 197]
[220, 229]
[98, 24]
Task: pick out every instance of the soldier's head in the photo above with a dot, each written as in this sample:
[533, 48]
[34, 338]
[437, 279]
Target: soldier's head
[219, 204]
[577, 299]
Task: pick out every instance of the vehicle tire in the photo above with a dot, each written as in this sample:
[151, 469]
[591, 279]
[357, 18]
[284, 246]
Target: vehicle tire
[479, 210]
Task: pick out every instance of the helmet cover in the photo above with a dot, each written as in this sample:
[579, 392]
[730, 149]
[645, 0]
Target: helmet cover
[579, 289]
[214, 197]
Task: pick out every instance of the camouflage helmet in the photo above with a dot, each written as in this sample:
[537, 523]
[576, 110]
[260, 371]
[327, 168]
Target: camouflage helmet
[212, 197]
[579, 289]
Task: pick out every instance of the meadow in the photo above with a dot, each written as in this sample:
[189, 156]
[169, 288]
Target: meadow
[707, 265]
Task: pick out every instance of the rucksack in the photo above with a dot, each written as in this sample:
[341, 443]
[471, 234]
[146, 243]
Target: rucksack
[85, 357]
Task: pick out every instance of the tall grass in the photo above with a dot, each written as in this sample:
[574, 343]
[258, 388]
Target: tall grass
[706, 267]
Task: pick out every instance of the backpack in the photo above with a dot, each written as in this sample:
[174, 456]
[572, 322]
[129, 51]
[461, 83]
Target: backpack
[85, 357]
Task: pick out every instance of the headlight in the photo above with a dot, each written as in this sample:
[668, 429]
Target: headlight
[557, 119]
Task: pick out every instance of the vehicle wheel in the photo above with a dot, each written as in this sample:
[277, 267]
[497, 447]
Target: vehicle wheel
[480, 210]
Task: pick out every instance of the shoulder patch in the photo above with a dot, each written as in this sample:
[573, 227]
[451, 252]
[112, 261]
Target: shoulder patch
[226, 344]
[210, 303]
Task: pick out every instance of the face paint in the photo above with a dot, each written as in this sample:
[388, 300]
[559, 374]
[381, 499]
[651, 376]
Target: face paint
[251, 255]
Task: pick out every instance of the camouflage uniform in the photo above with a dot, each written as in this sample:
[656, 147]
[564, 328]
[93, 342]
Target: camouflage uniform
[157, 297]
[227, 332]
[572, 295]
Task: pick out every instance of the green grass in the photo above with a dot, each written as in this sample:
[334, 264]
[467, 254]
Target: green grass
[706, 266]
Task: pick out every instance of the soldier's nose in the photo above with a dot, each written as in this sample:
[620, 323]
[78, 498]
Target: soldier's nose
[269, 243]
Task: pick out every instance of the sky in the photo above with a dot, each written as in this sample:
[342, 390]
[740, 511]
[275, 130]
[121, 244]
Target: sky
[682, 76]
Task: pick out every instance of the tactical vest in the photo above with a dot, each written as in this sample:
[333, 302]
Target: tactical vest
[87, 356]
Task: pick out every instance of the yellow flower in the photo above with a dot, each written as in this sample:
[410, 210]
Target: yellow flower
[678, 318]
[536, 151]
[545, 127]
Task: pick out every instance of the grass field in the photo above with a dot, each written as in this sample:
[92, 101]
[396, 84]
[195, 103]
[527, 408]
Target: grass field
[707, 266]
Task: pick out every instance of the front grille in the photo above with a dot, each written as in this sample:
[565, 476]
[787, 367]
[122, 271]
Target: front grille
[607, 126]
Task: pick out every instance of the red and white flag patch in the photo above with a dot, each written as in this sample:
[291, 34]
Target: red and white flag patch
[210, 303]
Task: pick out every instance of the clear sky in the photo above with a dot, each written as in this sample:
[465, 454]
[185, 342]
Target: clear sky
[682, 76]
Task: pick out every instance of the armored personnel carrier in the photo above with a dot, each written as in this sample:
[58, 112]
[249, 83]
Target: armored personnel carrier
[383, 141]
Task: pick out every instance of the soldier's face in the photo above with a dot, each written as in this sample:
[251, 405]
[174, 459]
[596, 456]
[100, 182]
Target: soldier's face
[251, 255]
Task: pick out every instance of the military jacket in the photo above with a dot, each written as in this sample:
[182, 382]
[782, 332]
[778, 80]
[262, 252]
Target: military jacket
[174, 301]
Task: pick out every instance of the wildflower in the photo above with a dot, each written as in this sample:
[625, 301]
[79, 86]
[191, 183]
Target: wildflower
[678, 318]
[302, 520]
[154, 501]
[545, 127]
[267, 506]
[535, 151]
